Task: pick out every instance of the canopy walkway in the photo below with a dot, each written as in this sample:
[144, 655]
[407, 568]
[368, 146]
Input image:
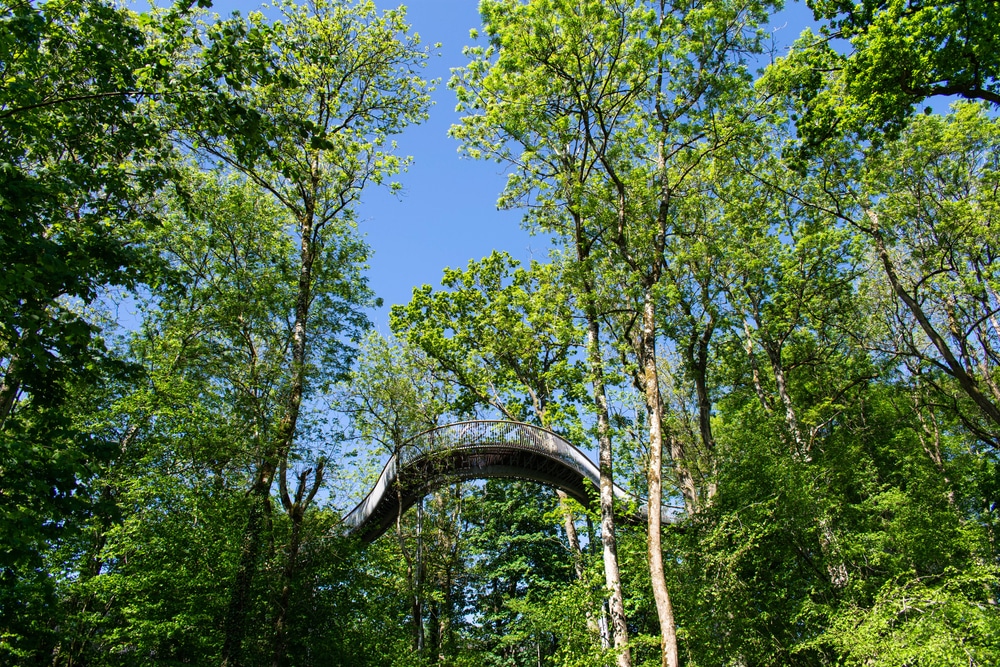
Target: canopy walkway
[478, 450]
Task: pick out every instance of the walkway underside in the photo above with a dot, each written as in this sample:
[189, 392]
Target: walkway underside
[480, 450]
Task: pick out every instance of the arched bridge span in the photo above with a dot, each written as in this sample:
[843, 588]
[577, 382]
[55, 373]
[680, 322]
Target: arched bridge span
[475, 450]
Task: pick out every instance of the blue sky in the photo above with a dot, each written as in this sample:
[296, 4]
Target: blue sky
[446, 214]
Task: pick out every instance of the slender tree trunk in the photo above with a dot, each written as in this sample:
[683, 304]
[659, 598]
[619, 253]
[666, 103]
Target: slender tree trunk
[609, 542]
[951, 363]
[8, 392]
[447, 626]
[417, 578]
[612, 575]
[773, 351]
[695, 351]
[699, 370]
[930, 439]
[447, 631]
[682, 469]
[10, 386]
[654, 408]
[434, 630]
[758, 386]
[569, 525]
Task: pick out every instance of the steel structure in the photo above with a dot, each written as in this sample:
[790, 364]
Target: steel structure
[479, 450]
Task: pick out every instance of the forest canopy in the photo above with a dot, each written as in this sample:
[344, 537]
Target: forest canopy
[770, 313]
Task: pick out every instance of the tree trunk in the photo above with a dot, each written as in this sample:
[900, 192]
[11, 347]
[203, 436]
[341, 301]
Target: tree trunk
[602, 621]
[414, 576]
[758, 386]
[569, 525]
[773, 351]
[287, 576]
[11, 384]
[699, 370]
[434, 630]
[609, 543]
[654, 408]
[277, 453]
[296, 512]
[446, 631]
[612, 575]
[8, 392]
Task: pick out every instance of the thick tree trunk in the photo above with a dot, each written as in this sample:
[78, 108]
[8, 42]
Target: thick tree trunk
[287, 576]
[417, 613]
[602, 621]
[654, 408]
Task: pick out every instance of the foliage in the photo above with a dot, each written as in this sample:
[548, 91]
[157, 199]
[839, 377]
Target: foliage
[77, 153]
[811, 338]
[897, 55]
[516, 550]
[504, 334]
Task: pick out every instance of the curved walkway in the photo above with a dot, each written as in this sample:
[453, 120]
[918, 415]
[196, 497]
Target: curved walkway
[477, 450]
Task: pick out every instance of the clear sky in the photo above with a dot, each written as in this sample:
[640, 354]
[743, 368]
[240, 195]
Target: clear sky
[446, 214]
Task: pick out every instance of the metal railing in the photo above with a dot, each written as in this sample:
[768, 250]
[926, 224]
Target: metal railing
[490, 432]
[451, 438]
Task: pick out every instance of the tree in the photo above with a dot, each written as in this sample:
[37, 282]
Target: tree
[216, 344]
[927, 208]
[896, 56]
[68, 194]
[516, 102]
[505, 336]
[516, 553]
[921, 207]
[392, 396]
[329, 83]
[879, 462]
[606, 109]
[78, 156]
